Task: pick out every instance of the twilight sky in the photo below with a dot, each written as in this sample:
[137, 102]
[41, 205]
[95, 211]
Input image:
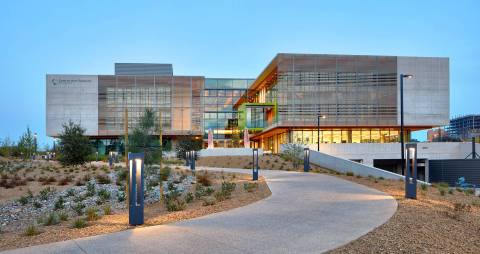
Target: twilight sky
[220, 39]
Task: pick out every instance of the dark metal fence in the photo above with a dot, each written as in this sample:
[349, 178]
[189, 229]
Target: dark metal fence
[450, 170]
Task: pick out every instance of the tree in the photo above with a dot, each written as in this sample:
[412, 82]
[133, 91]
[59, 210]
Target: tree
[74, 147]
[26, 144]
[143, 138]
[186, 144]
[8, 148]
[293, 153]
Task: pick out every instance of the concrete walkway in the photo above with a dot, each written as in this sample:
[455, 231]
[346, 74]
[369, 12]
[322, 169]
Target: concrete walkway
[307, 213]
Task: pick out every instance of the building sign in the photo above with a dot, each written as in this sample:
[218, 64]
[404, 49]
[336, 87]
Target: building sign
[67, 82]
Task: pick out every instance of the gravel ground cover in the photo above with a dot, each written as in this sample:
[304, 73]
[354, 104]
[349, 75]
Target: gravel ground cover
[440, 220]
[53, 213]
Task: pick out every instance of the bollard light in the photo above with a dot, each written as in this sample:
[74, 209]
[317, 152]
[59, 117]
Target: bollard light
[187, 158]
[411, 171]
[306, 159]
[135, 209]
[192, 160]
[255, 164]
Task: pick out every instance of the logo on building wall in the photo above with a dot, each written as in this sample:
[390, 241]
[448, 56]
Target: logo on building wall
[66, 82]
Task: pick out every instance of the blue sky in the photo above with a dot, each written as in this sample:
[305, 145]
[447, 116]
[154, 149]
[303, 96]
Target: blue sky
[220, 39]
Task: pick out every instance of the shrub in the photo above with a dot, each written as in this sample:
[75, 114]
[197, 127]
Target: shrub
[65, 180]
[79, 223]
[122, 174]
[78, 208]
[59, 204]
[173, 201]
[92, 214]
[189, 197]
[23, 200]
[228, 188]
[476, 203]
[469, 192]
[51, 219]
[442, 191]
[70, 193]
[121, 196]
[349, 173]
[209, 191]
[107, 210]
[442, 185]
[250, 187]
[32, 230]
[104, 194]
[37, 205]
[165, 173]
[293, 153]
[207, 201]
[90, 189]
[63, 216]
[381, 178]
[103, 179]
[204, 179]
[450, 191]
[45, 193]
[424, 186]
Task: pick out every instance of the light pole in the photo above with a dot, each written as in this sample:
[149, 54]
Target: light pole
[318, 130]
[35, 144]
[402, 76]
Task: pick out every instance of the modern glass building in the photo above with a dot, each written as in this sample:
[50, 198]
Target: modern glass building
[357, 98]
[307, 99]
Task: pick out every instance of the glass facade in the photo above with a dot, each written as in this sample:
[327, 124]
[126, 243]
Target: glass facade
[219, 115]
[357, 95]
[347, 90]
[178, 98]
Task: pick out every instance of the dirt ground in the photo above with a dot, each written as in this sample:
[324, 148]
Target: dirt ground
[155, 214]
[430, 224]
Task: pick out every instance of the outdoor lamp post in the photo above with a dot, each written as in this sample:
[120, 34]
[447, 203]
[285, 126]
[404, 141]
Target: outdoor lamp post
[255, 164]
[411, 171]
[402, 76]
[135, 191]
[318, 130]
[306, 159]
[34, 145]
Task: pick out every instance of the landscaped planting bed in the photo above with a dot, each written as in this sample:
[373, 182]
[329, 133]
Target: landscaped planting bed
[92, 201]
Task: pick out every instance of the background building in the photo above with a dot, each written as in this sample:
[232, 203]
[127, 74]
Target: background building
[436, 135]
[465, 127]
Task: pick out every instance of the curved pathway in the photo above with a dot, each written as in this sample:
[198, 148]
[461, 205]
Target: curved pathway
[306, 213]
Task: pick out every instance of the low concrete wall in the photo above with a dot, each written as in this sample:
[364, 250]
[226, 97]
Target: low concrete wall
[367, 152]
[228, 152]
[342, 165]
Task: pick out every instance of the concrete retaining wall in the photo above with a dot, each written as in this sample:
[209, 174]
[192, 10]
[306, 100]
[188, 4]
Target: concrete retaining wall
[228, 152]
[342, 165]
